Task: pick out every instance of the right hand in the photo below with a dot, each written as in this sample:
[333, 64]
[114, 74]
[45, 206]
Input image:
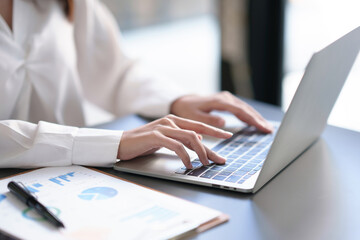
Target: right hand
[173, 133]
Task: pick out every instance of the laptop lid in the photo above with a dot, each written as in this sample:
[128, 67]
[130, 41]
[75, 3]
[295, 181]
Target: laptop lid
[310, 108]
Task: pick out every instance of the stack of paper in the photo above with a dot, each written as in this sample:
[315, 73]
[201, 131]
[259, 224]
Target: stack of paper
[93, 205]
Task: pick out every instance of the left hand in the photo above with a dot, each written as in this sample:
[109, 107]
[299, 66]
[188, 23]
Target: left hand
[199, 107]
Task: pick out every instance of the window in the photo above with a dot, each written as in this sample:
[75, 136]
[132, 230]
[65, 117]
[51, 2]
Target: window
[309, 26]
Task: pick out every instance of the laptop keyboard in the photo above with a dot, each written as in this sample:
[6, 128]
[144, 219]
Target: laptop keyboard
[245, 152]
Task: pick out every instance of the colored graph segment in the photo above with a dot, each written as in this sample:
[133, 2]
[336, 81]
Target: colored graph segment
[2, 197]
[60, 180]
[98, 193]
[34, 188]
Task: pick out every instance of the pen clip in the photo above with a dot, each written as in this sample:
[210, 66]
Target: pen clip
[27, 190]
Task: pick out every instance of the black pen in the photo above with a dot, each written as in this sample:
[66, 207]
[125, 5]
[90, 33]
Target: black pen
[26, 197]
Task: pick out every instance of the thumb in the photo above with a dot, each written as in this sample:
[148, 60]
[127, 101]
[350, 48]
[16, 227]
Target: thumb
[212, 120]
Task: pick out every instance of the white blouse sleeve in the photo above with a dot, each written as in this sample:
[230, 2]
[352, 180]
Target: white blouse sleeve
[110, 79]
[28, 145]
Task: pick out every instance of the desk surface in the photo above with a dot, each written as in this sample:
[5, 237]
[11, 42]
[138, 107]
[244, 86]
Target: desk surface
[315, 197]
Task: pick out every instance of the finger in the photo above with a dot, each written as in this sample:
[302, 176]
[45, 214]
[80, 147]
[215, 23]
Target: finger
[200, 127]
[150, 151]
[256, 114]
[189, 139]
[259, 123]
[213, 156]
[267, 127]
[167, 121]
[177, 147]
[243, 113]
[207, 118]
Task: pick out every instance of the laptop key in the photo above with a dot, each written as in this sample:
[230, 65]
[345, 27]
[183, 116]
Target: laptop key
[241, 161]
[233, 178]
[196, 164]
[219, 177]
[218, 167]
[239, 173]
[197, 172]
[246, 169]
[183, 170]
[225, 173]
[251, 165]
[252, 172]
[233, 156]
[229, 149]
[256, 160]
[230, 169]
[223, 153]
[236, 165]
[209, 174]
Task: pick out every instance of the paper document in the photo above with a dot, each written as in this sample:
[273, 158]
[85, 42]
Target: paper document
[93, 205]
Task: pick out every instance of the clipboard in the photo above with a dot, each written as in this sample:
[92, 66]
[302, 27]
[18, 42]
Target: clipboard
[76, 190]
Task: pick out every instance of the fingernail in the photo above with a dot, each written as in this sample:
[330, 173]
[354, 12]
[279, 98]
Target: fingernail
[223, 159]
[227, 132]
[266, 125]
[269, 126]
[219, 156]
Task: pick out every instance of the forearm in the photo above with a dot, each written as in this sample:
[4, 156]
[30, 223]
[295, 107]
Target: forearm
[28, 145]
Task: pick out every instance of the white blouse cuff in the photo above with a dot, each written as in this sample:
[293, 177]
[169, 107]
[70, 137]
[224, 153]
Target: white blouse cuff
[96, 147]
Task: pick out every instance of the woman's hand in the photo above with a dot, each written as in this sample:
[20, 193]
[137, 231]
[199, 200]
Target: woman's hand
[173, 133]
[198, 108]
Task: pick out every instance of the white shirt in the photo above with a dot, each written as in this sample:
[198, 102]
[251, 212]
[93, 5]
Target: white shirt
[48, 67]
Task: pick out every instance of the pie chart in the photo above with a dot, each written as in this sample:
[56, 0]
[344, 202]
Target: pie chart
[2, 197]
[98, 193]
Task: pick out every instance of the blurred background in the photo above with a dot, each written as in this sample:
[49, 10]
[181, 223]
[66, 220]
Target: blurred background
[254, 48]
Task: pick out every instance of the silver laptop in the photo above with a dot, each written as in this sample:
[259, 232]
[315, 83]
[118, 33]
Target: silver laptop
[254, 158]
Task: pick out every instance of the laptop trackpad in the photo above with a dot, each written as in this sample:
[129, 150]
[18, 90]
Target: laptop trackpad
[161, 162]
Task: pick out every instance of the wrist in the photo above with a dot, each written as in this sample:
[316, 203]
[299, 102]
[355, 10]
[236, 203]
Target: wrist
[177, 105]
[119, 151]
